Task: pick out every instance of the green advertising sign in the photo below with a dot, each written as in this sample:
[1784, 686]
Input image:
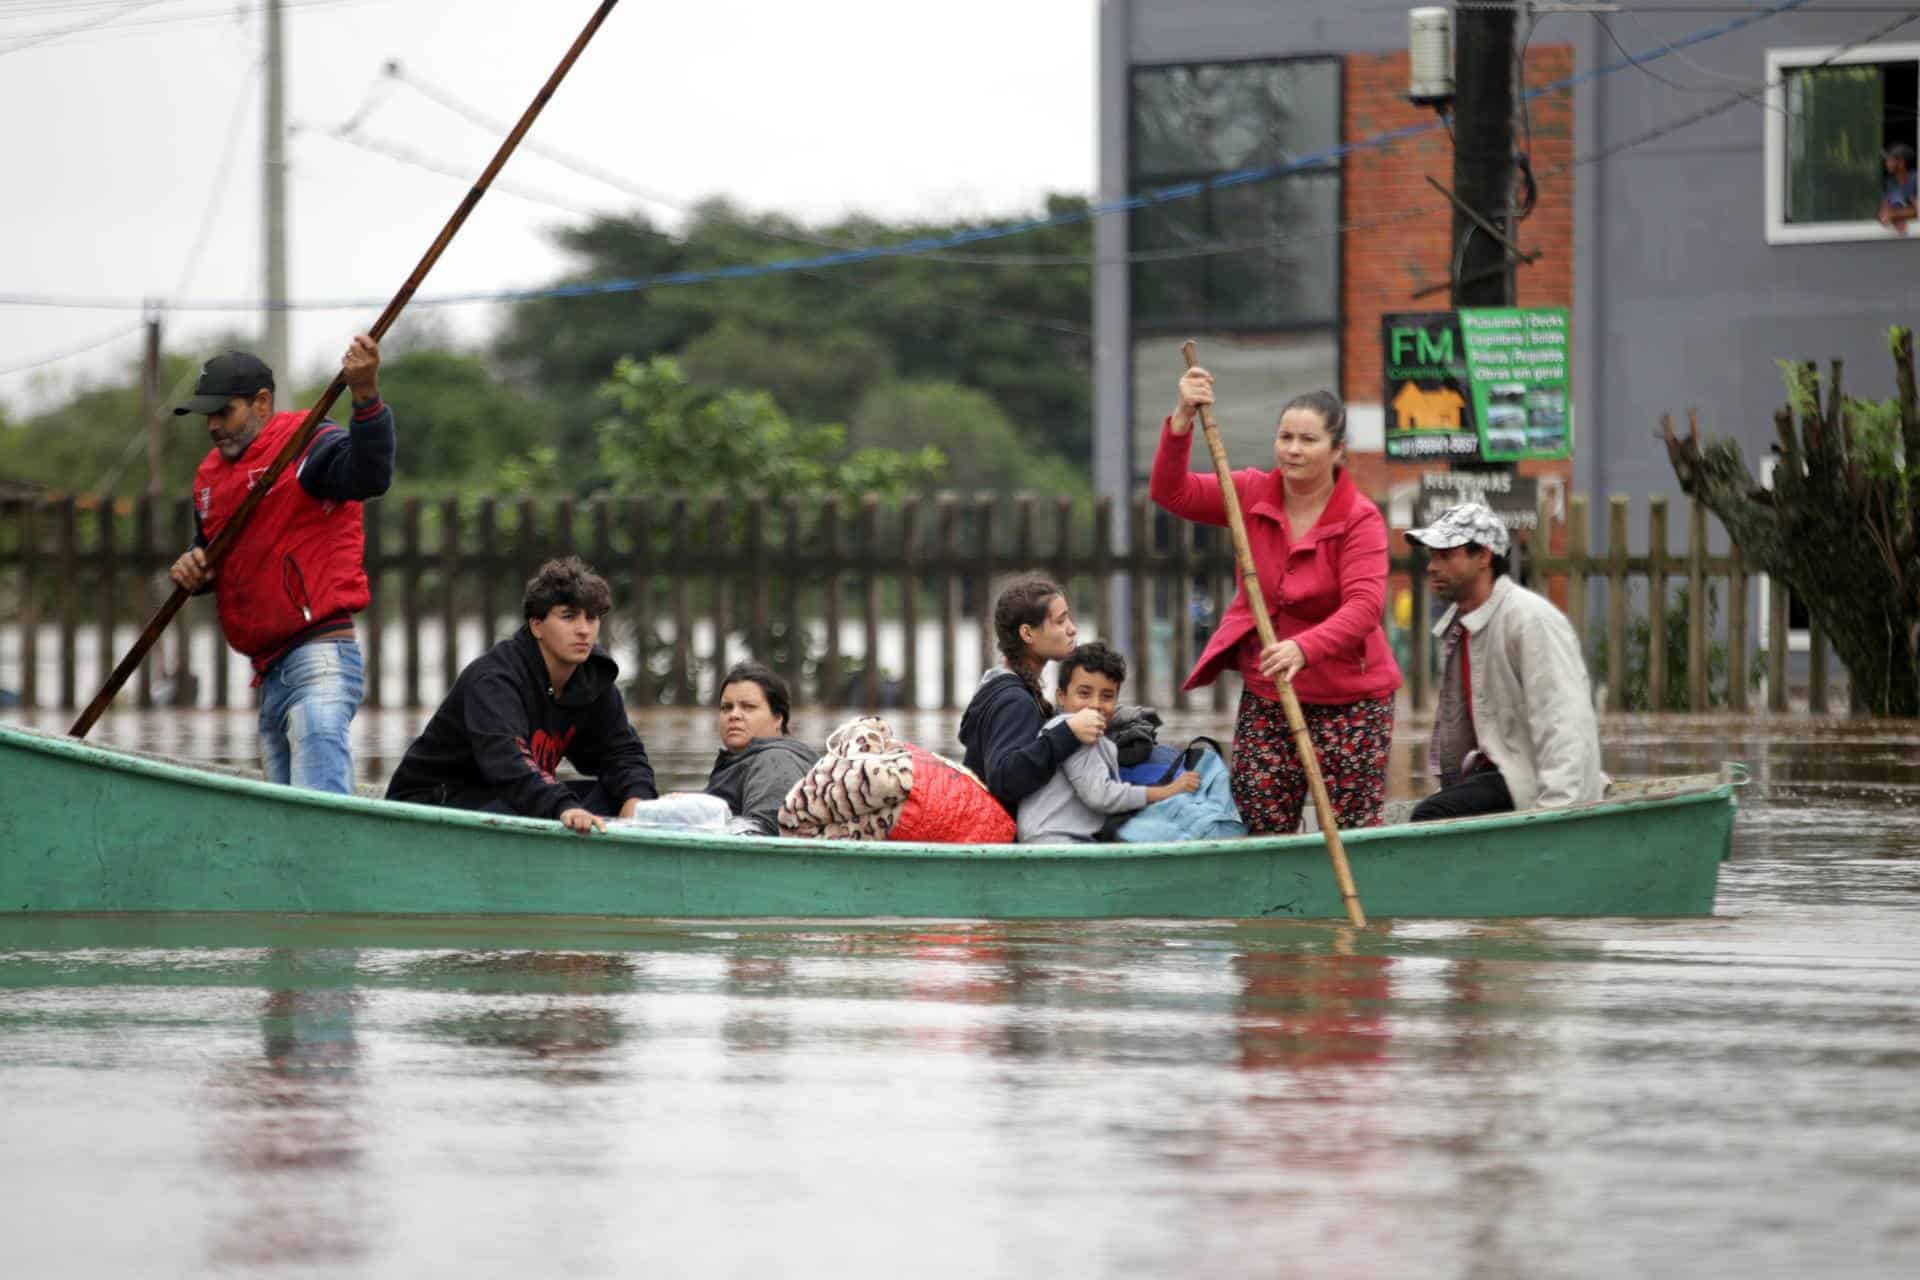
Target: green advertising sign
[1518, 366]
[1429, 409]
[1482, 384]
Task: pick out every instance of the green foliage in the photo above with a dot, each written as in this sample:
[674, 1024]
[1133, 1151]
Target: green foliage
[458, 424]
[965, 425]
[851, 344]
[1803, 386]
[815, 378]
[818, 340]
[1876, 438]
[535, 471]
[666, 435]
[1635, 692]
[1877, 441]
[97, 439]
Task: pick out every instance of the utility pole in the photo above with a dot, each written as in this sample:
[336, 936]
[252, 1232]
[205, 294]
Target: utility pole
[274, 202]
[1482, 154]
[157, 421]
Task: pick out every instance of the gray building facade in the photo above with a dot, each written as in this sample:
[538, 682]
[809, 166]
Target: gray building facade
[1723, 193]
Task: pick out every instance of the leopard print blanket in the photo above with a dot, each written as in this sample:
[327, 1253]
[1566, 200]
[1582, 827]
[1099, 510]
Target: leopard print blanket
[855, 791]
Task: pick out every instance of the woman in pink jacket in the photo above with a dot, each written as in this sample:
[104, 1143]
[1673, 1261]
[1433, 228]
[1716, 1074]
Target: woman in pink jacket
[1320, 547]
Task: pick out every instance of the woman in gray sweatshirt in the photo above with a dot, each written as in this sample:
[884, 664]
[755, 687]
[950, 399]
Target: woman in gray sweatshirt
[758, 763]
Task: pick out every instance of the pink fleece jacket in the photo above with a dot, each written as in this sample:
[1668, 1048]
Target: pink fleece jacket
[1324, 589]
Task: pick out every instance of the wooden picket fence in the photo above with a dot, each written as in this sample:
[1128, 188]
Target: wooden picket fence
[699, 584]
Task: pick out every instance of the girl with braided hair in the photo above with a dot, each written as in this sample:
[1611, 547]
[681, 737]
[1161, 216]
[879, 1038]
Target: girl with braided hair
[1001, 729]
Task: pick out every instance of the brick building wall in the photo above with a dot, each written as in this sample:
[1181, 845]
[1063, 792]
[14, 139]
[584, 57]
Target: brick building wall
[1399, 228]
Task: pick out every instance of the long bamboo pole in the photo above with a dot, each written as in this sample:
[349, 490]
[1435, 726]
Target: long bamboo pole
[1296, 719]
[297, 444]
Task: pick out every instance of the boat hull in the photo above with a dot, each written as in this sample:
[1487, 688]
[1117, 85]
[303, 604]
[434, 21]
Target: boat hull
[87, 829]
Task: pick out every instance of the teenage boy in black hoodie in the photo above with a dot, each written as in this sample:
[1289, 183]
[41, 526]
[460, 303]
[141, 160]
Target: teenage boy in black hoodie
[546, 692]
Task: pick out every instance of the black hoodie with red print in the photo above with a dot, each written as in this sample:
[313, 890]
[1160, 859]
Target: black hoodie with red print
[501, 732]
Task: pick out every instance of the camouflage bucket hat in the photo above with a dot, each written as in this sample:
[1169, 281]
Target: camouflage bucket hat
[1459, 525]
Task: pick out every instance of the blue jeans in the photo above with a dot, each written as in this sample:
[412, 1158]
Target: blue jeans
[307, 701]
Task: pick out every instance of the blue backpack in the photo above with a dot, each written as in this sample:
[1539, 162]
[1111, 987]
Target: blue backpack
[1155, 769]
[1206, 814]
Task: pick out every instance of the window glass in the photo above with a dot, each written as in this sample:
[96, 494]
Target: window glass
[1840, 120]
[1252, 270]
[1219, 117]
[1834, 140]
[1281, 272]
[1254, 375]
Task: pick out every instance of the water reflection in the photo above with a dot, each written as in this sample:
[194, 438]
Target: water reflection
[287, 1125]
[757, 1020]
[364, 1096]
[1321, 1014]
[565, 1025]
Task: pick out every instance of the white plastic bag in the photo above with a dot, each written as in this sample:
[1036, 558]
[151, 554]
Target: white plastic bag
[678, 811]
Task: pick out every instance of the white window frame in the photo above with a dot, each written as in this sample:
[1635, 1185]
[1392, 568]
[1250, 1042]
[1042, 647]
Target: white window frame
[1799, 639]
[1779, 62]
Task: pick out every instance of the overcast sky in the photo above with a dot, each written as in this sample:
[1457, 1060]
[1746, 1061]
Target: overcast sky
[133, 124]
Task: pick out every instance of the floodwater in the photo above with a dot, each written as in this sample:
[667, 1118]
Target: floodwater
[1732, 1096]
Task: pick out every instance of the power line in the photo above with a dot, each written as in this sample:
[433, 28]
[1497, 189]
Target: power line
[446, 101]
[408, 156]
[218, 187]
[925, 245]
[355, 137]
[106, 27]
[55, 33]
[92, 344]
[1577, 10]
[678, 205]
[1734, 99]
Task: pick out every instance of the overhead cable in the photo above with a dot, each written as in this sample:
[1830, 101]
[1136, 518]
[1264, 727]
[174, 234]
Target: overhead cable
[924, 245]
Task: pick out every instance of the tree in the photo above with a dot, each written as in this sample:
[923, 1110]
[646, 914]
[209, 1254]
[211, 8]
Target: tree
[815, 378]
[96, 441]
[1017, 332]
[982, 448]
[1841, 524]
[457, 422]
[668, 436]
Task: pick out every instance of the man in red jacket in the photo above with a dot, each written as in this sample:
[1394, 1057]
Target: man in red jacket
[289, 585]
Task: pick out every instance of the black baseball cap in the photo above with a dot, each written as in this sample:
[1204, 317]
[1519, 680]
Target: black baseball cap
[234, 373]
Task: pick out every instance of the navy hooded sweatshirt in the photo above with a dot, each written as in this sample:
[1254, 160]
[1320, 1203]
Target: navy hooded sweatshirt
[501, 732]
[1004, 746]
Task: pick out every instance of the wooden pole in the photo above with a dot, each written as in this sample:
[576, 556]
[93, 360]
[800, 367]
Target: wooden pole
[1657, 603]
[1697, 647]
[1617, 602]
[1296, 719]
[297, 444]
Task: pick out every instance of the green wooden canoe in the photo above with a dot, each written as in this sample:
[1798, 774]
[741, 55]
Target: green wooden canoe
[87, 829]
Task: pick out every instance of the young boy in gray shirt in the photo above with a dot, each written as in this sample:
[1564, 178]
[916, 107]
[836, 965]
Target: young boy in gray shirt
[1076, 802]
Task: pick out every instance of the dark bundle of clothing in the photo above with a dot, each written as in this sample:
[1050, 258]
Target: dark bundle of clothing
[1135, 731]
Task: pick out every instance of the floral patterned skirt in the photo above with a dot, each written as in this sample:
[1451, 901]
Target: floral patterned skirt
[1351, 740]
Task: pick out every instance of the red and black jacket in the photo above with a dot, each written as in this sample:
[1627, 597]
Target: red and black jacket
[296, 569]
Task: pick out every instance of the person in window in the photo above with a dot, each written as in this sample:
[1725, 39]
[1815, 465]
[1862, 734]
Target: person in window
[1898, 202]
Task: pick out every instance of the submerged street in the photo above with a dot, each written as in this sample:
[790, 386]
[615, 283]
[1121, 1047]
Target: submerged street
[346, 1097]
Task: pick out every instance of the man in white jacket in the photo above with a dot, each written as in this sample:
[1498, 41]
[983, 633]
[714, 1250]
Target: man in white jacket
[1515, 727]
